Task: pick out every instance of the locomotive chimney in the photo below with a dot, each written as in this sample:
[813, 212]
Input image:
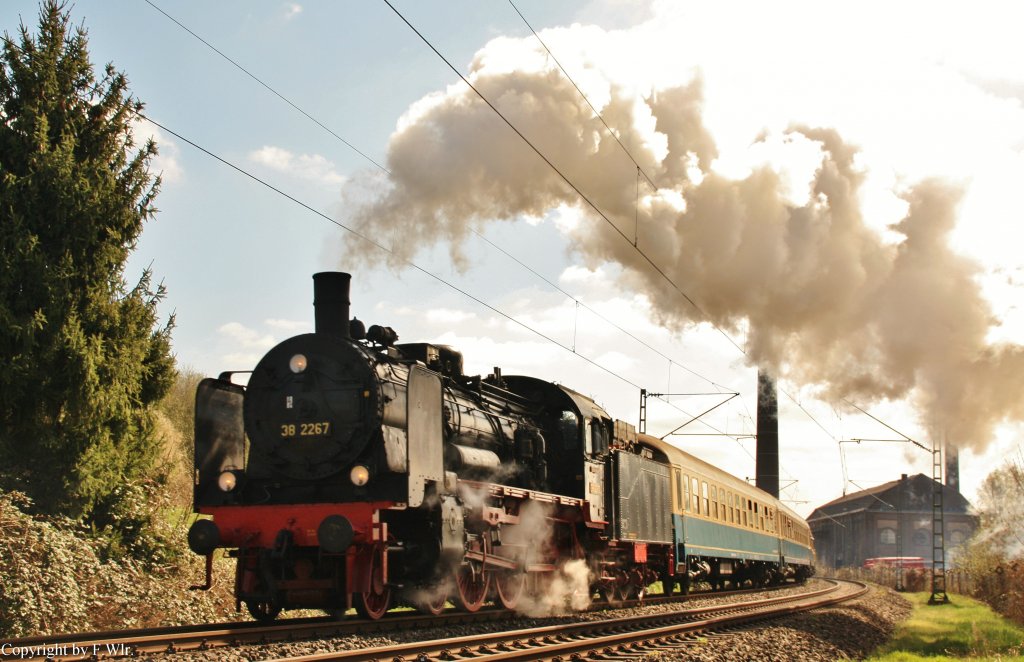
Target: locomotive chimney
[767, 472]
[330, 302]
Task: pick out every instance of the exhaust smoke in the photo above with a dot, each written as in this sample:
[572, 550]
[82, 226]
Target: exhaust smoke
[823, 299]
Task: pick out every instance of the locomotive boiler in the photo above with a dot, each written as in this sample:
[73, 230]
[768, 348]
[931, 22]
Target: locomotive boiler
[354, 471]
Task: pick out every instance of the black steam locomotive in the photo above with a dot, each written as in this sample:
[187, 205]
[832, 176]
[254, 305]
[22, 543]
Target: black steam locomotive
[352, 471]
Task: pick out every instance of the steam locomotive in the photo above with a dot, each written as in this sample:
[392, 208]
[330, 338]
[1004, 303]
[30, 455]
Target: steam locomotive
[353, 471]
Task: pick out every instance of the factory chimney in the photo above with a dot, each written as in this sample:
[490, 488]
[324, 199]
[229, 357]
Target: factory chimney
[331, 303]
[767, 471]
[952, 467]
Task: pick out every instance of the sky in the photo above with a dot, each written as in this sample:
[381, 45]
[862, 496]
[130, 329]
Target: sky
[833, 195]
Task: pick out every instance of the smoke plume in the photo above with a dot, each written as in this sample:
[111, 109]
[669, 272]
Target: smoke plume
[817, 295]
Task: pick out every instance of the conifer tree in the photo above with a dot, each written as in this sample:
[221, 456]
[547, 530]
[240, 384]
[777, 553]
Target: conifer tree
[83, 357]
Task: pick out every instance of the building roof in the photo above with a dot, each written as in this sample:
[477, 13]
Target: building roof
[908, 494]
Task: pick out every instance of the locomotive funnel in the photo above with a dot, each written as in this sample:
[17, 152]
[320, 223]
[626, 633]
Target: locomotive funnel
[331, 302]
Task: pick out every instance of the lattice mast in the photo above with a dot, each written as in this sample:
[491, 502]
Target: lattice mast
[938, 595]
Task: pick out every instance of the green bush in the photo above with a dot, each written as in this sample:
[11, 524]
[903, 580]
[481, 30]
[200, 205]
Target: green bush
[59, 577]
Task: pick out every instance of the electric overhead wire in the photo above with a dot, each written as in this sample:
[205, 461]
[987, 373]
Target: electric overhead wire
[596, 113]
[565, 179]
[268, 87]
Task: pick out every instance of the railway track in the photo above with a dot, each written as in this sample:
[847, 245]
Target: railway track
[126, 643]
[618, 638]
[122, 643]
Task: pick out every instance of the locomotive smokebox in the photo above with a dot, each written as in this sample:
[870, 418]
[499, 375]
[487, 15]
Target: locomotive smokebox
[331, 302]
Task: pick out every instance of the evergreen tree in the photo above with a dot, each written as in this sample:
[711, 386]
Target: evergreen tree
[84, 357]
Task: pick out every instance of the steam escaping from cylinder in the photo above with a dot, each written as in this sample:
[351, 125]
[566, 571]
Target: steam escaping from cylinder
[548, 594]
[815, 294]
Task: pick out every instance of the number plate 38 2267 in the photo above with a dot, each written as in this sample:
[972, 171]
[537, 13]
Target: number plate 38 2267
[317, 429]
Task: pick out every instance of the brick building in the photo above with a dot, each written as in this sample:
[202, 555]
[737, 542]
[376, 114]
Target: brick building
[892, 519]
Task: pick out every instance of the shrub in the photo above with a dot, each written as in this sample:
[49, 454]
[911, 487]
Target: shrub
[58, 577]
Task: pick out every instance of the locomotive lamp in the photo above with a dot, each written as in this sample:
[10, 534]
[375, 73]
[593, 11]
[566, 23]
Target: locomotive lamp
[298, 363]
[227, 481]
[359, 475]
[203, 537]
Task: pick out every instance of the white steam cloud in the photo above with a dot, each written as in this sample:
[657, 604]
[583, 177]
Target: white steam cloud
[818, 295]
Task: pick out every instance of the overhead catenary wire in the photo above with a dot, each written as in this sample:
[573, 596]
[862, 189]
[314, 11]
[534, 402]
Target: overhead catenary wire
[661, 272]
[268, 87]
[611, 132]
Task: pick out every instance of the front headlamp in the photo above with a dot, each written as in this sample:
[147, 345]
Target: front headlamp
[359, 475]
[227, 481]
[298, 363]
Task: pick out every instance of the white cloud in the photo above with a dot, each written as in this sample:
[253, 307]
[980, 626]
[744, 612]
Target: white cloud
[289, 326]
[311, 167]
[291, 10]
[240, 360]
[166, 163]
[449, 316]
[245, 338]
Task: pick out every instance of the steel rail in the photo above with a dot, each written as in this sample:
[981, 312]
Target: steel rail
[125, 643]
[611, 636]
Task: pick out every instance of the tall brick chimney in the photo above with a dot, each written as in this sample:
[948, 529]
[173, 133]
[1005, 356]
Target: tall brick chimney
[952, 467]
[767, 472]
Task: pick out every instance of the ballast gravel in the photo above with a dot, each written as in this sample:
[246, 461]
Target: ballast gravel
[847, 631]
[850, 631]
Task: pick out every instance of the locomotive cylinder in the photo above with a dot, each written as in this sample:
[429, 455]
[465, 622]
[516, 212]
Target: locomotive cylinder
[331, 302]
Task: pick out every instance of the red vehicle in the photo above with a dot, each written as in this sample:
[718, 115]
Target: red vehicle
[906, 562]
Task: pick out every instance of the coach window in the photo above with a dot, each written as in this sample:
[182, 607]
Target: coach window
[704, 496]
[714, 502]
[686, 490]
[732, 513]
[694, 495]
